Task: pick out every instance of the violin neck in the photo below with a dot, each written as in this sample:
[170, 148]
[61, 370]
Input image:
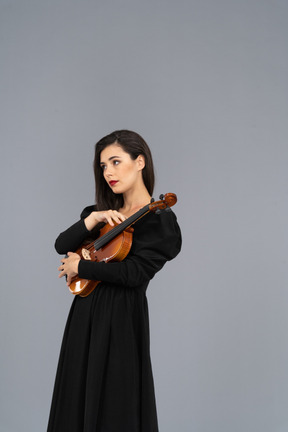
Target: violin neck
[106, 238]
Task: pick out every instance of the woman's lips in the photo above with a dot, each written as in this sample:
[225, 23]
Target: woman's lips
[113, 182]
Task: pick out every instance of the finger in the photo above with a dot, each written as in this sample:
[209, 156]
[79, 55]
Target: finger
[107, 217]
[69, 280]
[109, 220]
[122, 217]
[119, 217]
[120, 214]
[61, 274]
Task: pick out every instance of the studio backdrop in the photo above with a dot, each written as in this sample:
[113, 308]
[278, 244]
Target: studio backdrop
[205, 83]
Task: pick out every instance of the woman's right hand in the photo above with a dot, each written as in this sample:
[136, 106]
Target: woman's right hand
[108, 216]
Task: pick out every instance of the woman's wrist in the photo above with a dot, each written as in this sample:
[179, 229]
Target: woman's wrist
[90, 222]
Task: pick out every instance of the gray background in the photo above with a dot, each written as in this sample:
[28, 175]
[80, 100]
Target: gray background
[205, 83]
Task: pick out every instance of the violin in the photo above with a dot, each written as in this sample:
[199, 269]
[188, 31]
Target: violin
[114, 243]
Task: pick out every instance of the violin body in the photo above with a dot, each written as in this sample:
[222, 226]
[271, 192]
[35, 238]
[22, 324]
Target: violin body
[116, 250]
[114, 243]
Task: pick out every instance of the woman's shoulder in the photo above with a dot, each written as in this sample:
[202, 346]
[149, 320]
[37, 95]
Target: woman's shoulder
[158, 220]
[159, 231]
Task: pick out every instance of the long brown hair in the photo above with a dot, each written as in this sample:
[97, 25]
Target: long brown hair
[133, 144]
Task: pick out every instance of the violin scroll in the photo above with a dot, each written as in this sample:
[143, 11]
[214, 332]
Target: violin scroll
[167, 200]
[170, 199]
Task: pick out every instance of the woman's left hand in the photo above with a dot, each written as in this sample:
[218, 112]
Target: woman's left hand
[69, 266]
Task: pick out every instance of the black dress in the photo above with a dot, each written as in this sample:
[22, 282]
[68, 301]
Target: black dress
[104, 379]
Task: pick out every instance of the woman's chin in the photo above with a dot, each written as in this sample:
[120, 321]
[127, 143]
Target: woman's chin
[116, 190]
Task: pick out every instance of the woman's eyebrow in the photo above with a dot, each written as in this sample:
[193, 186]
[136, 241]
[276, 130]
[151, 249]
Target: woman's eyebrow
[112, 157]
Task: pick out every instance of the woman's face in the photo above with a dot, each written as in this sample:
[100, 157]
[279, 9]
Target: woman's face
[120, 171]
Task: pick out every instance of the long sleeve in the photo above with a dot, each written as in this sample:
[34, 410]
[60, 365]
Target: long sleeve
[70, 239]
[157, 240]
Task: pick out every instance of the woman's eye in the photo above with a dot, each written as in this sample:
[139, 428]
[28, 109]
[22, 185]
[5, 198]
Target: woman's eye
[103, 167]
[116, 162]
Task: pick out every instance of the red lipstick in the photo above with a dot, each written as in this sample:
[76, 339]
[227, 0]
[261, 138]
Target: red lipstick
[113, 182]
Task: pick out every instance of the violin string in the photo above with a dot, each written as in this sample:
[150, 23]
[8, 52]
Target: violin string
[113, 233]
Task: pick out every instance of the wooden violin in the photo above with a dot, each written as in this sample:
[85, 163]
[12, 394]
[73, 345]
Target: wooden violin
[114, 243]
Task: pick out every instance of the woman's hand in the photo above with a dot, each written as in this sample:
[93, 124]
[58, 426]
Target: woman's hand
[69, 266]
[109, 216]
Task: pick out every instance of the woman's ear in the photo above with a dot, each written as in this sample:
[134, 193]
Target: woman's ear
[141, 162]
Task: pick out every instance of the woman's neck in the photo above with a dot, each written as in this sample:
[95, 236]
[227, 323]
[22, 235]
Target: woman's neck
[134, 200]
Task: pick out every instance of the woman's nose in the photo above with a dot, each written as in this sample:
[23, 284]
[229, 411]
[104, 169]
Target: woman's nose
[109, 171]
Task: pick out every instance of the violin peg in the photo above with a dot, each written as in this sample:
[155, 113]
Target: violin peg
[161, 197]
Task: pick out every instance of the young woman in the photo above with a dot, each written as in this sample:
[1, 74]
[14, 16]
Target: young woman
[104, 380]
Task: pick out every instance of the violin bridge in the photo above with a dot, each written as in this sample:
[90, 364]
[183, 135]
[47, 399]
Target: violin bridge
[86, 254]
